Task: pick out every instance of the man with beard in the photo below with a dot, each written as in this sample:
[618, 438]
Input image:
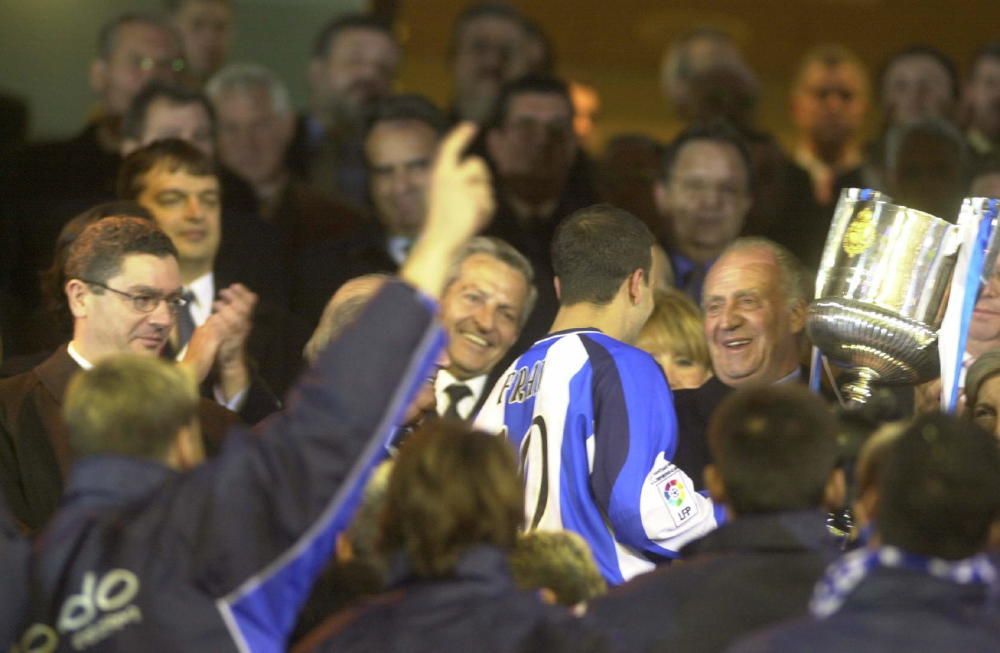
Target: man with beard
[354, 63]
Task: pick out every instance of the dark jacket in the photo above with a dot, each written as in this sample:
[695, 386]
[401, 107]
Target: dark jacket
[894, 610]
[221, 558]
[694, 408]
[15, 551]
[34, 451]
[753, 571]
[477, 609]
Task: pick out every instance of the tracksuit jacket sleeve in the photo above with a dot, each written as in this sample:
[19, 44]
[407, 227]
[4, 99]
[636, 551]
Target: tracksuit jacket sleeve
[267, 510]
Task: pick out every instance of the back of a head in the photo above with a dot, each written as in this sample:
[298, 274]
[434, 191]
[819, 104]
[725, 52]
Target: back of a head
[939, 490]
[172, 153]
[434, 522]
[595, 249]
[774, 447]
[342, 309]
[559, 561]
[129, 405]
[97, 253]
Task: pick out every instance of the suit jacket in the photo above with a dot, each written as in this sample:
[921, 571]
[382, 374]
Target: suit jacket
[326, 266]
[34, 449]
[694, 408]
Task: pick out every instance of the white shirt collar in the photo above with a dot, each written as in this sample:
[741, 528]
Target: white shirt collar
[445, 378]
[204, 294]
[76, 356]
[399, 248]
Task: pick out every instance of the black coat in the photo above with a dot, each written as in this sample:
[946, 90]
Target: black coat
[753, 571]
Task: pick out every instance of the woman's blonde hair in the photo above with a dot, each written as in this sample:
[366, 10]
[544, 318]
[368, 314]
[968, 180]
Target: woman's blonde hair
[676, 326]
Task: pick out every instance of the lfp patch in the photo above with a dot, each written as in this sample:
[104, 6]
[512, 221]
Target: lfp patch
[674, 492]
[672, 486]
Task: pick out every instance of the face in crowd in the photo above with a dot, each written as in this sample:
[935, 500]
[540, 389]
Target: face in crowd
[399, 154]
[751, 327]
[706, 198]
[140, 52]
[482, 312]
[358, 70]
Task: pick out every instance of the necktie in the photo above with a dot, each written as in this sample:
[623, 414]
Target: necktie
[456, 392]
[185, 322]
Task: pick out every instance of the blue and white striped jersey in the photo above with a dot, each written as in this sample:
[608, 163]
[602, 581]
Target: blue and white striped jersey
[594, 425]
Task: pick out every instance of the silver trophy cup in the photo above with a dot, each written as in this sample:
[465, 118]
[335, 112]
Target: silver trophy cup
[882, 291]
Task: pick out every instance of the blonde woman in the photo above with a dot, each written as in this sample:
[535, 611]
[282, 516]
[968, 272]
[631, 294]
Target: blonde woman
[674, 335]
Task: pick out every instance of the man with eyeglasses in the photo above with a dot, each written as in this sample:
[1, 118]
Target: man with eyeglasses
[49, 183]
[703, 198]
[829, 102]
[124, 291]
[540, 179]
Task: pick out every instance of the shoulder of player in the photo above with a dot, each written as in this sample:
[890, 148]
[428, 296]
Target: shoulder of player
[617, 350]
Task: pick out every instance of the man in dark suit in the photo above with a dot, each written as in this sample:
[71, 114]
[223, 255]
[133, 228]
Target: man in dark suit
[178, 185]
[123, 288]
[754, 301]
[400, 143]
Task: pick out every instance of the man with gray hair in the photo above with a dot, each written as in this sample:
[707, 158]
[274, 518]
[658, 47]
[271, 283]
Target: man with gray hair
[256, 123]
[489, 295]
[755, 302]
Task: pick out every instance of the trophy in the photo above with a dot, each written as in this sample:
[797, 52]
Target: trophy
[882, 290]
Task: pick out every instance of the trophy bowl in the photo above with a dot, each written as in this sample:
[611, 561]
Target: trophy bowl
[881, 292]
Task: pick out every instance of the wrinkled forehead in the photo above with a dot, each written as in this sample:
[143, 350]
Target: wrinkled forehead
[751, 270]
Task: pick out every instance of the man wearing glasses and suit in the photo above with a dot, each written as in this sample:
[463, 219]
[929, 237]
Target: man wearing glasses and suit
[124, 292]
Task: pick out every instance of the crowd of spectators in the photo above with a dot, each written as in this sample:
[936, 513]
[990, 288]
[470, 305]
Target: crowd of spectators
[385, 375]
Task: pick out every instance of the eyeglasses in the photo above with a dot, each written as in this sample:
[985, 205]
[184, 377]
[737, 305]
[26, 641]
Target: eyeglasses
[146, 302]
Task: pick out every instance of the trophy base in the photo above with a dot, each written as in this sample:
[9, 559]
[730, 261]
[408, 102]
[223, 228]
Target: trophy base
[858, 390]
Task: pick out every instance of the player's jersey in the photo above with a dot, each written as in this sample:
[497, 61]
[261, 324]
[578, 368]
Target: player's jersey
[593, 421]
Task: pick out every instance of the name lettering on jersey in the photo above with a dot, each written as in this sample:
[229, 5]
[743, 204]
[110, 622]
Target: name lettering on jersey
[102, 607]
[673, 487]
[521, 385]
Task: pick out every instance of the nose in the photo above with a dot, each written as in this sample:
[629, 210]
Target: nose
[162, 316]
[194, 208]
[401, 181]
[484, 317]
[731, 317]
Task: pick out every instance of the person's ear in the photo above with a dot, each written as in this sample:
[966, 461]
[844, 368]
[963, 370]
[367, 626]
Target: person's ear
[558, 287]
[548, 596]
[661, 196]
[799, 310]
[188, 451]
[76, 296]
[835, 492]
[494, 144]
[637, 284]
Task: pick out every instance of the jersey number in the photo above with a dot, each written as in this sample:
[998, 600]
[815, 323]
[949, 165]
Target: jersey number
[538, 436]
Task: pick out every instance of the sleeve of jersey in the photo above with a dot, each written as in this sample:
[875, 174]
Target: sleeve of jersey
[650, 502]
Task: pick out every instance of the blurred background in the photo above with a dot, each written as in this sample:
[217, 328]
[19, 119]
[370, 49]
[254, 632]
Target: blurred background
[615, 47]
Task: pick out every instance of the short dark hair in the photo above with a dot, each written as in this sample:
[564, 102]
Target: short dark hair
[478, 10]
[406, 107]
[939, 491]
[346, 22]
[716, 131]
[97, 253]
[774, 447]
[595, 249]
[129, 405]
[433, 522]
[990, 50]
[922, 50]
[546, 84]
[53, 279]
[107, 36]
[171, 152]
[134, 123]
